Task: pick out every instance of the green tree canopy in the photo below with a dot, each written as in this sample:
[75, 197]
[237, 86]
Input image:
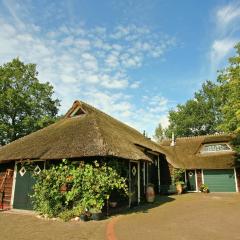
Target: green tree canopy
[214, 108]
[198, 116]
[26, 105]
[229, 78]
[159, 133]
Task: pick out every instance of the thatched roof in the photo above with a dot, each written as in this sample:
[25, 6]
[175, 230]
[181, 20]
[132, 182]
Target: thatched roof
[89, 133]
[186, 153]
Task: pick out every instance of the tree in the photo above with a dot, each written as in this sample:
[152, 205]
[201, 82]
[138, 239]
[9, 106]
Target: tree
[229, 78]
[159, 133]
[26, 105]
[198, 116]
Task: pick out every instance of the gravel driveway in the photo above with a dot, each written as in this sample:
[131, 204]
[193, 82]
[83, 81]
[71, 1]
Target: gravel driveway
[28, 227]
[189, 216]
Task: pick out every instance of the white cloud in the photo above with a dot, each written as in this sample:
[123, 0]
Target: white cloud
[228, 14]
[90, 64]
[135, 85]
[226, 36]
[119, 106]
[221, 48]
[13, 9]
[112, 59]
[82, 44]
[68, 79]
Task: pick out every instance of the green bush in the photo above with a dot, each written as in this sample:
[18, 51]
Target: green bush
[204, 188]
[67, 215]
[66, 190]
[178, 175]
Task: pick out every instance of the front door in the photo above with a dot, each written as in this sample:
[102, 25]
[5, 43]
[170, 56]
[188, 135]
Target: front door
[24, 184]
[191, 180]
[134, 183]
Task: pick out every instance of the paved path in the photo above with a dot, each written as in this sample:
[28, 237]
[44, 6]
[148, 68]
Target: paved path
[189, 216]
[110, 229]
[17, 226]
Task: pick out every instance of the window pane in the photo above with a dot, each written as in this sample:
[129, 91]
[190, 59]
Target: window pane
[216, 147]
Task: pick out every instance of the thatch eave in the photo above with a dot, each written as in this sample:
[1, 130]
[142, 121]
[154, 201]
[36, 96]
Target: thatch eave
[91, 133]
[186, 153]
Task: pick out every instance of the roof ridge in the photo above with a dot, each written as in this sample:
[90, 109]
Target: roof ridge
[98, 110]
[202, 136]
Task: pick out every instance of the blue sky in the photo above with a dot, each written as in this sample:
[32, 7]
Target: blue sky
[134, 59]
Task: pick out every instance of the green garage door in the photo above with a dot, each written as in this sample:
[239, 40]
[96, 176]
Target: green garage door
[24, 184]
[220, 180]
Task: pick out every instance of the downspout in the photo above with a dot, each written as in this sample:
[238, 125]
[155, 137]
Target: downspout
[159, 182]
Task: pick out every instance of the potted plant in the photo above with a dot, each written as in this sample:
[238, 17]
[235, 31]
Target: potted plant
[178, 176]
[113, 199]
[84, 217]
[179, 186]
[113, 204]
[96, 214]
[204, 188]
[150, 193]
[81, 212]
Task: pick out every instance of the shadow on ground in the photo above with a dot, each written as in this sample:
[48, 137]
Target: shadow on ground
[143, 207]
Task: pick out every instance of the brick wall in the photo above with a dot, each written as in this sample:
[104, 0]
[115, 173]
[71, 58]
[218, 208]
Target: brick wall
[6, 190]
[199, 178]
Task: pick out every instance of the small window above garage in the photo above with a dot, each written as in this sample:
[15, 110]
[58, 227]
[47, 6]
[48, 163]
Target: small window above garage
[215, 147]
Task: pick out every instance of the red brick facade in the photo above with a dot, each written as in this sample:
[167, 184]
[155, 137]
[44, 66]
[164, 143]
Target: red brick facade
[6, 182]
[199, 178]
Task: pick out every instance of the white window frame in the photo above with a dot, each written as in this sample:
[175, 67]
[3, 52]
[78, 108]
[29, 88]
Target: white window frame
[202, 151]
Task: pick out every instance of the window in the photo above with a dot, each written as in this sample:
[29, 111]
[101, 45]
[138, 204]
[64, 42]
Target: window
[77, 112]
[216, 147]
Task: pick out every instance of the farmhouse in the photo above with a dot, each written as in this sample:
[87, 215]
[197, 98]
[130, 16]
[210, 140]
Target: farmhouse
[207, 160]
[85, 133]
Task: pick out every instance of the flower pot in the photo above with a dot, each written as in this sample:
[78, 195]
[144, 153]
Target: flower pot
[179, 188]
[150, 194]
[97, 216]
[84, 217]
[112, 204]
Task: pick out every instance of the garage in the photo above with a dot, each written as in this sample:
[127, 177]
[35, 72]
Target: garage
[220, 180]
[24, 184]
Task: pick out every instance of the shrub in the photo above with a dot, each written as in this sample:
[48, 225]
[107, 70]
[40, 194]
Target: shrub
[66, 190]
[67, 215]
[204, 188]
[178, 175]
